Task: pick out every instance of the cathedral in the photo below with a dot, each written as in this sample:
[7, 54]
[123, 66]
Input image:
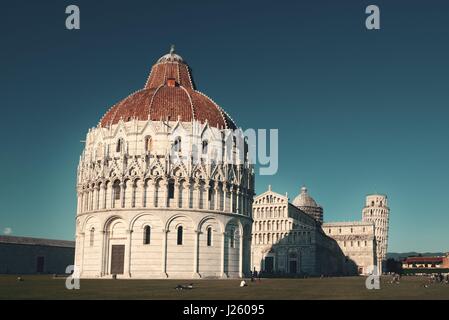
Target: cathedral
[165, 189]
[291, 238]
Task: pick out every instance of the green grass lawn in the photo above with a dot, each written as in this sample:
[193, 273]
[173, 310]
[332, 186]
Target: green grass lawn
[45, 287]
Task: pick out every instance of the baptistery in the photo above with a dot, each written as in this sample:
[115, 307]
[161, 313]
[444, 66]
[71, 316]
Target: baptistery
[165, 186]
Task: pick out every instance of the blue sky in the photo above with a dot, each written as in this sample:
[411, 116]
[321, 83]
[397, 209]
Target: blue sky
[357, 111]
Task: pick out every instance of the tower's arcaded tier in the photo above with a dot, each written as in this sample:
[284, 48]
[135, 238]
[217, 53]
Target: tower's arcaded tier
[164, 190]
[376, 210]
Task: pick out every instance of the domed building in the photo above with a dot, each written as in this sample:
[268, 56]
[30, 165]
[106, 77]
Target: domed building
[307, 204]
[164, 185]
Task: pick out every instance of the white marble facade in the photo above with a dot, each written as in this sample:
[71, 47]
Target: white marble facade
[134, 196]
[284, 237]
[292, 238]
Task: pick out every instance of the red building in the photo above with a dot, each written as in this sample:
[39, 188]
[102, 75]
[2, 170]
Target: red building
[426, 264]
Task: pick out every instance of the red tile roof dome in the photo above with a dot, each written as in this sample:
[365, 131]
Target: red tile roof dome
[169, 94]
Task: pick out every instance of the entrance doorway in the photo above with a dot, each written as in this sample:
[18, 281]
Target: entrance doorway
[40, 263]
[293, 266]
[269, 264]
[117, 259]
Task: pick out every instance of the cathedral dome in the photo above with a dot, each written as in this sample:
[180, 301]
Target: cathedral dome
[304, 199]
[169, 94]
[307, 204]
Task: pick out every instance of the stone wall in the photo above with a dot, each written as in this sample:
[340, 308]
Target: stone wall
[22, 259]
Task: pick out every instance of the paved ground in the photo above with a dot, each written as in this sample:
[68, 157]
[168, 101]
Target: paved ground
[44, 287]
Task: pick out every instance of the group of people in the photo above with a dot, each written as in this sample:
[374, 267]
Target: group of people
[254, 275]
[184, 287]
[396, 278]
[440, 278]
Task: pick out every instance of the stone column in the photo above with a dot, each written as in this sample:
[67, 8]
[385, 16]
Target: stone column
[164, 187]
[243, 202]
[86, 199]
[176, 197]
[196, 253]
[197, 191]
[106, 253]
[141, 187]
[88, 193]
[92, 197]
[127, 269]
[122, 194]
[237, 196]
[216, 196]
[206, 197]
[132, 203]
[225, 197]
[164, 253]
[240, 252]
[105, 191]
[81, 263]
[231, 206]
[222, 263]
[97, 197]
[111, 192]
[155, 193]
[187, 200]
[102, 253]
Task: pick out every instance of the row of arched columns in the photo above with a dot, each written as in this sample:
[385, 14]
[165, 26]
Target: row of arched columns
[270, 212]
[273, 225]
[163, 193]
[281, 238]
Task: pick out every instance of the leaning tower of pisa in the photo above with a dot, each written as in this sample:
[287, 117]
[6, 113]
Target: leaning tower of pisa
[376, 210]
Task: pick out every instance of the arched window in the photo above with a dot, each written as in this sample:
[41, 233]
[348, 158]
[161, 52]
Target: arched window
[204, 147]
[92, 237]
[148, 143]
[177, 144]
[147, 235]
[171, 189]
[119, 147]
[232, 238]
[180, 236]
[209, 236]
[116, 188]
